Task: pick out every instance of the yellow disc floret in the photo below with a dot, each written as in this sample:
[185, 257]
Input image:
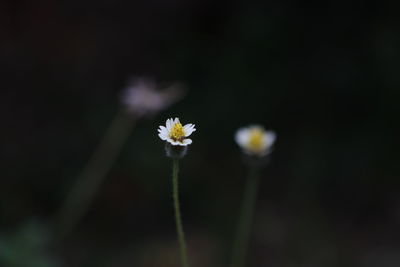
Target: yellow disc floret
[256, 140]
[177, 132]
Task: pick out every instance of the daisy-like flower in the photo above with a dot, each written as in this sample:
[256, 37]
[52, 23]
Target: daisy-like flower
[143, 98]
[255, 140]
[174, 133]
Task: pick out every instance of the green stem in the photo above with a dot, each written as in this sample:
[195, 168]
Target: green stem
[178, 220]
[82, 193]
[245, 220]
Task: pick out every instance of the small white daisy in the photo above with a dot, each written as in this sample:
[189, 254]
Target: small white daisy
[174, 133]
[143, 98]
[255, 140]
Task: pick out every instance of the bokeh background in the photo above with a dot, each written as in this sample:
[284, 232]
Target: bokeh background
[323, 75]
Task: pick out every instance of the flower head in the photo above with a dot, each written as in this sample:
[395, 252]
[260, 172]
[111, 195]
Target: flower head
[255, 140]
[174, 133]
[143, 98]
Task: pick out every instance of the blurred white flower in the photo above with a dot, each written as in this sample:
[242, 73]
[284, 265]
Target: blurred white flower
[255, 140]
[174, 133]
[143, 98]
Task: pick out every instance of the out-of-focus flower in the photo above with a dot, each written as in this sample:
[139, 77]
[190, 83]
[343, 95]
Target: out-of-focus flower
[174, 133]
[143, 98]
[255, 140]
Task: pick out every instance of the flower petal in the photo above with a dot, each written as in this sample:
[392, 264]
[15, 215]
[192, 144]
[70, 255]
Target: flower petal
[173, 142]
[189, 129]
[187, 142]
[269, 138]
[242, 136]
[162, 129]
[163, 136]
[169, 124]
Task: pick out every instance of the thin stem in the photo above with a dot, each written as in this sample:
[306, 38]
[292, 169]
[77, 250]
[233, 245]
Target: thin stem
[82, 193]
[245, 220]
[178, 220]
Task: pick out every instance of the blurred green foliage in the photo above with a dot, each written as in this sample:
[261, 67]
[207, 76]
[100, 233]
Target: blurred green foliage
[26, 247]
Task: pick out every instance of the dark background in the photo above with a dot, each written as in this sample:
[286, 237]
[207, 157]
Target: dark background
[323, 75]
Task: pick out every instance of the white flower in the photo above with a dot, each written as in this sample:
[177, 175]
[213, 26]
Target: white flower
[255, 140]
[174, 133]
[143, 98]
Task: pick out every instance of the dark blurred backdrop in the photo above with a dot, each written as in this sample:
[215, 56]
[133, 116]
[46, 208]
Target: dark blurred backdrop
[323, 75]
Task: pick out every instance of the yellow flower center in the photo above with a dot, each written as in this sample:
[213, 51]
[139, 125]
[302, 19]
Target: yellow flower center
[256, 140]
[177, 132]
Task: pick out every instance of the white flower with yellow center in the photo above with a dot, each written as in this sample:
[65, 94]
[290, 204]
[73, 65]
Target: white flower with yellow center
[255, 140]
[174, 133]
